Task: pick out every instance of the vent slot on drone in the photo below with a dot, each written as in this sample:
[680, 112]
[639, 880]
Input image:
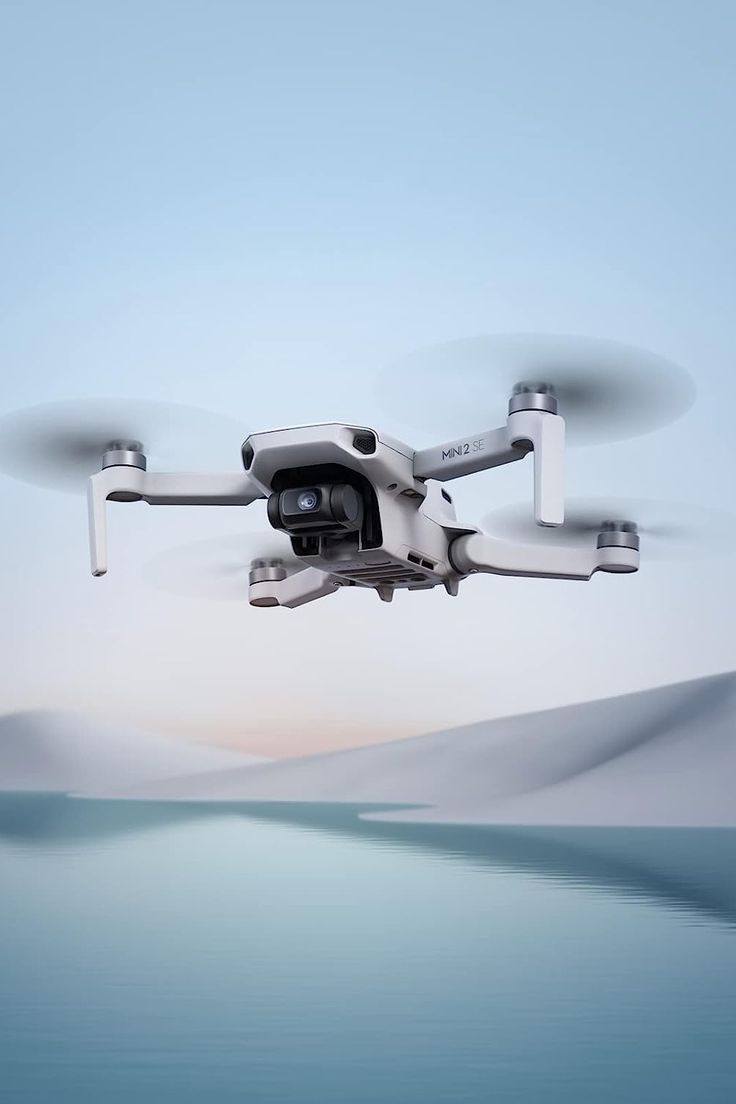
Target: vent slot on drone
[386, 575]
[416, 559]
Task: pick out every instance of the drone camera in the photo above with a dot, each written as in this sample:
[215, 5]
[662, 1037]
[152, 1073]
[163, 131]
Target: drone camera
[324, 509]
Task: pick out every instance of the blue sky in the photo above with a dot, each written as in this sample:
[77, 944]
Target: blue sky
[255, 208]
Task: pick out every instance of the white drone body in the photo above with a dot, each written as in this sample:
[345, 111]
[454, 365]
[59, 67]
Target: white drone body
[362, 509]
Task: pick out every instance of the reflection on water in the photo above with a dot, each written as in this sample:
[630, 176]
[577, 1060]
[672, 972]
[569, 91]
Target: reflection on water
[682, 868]
[297, 953]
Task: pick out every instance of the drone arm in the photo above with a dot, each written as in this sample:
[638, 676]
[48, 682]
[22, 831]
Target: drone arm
[100, 487]
[127, 483]
[466, 455]
[481, 553]
[525, 430]
[198, 489]
[306, 585]
[546, 434]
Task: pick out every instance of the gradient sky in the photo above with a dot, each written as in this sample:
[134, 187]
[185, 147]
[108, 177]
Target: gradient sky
[254, 208]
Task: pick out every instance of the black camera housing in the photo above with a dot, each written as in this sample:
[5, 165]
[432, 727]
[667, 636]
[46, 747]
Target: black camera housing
[323, 508]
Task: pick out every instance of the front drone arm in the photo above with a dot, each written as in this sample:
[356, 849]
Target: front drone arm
[132, 484]
[539, 431]
[479, 552]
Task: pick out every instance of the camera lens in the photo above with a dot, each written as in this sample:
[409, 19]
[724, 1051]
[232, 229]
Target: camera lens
[322, 510]
[308, 500]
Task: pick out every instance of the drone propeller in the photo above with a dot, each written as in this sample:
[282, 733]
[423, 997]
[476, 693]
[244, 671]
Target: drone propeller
[606, 391]
[219, 567]
[60, 444]
[668, 530]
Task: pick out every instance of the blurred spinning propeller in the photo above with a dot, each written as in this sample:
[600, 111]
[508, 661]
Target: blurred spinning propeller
[60, 444]
[217, 568]
[606, 391]
[668, 530]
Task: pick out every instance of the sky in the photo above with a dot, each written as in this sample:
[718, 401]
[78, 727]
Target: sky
[256, 208]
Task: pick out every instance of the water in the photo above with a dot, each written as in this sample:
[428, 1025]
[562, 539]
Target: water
[298, 955]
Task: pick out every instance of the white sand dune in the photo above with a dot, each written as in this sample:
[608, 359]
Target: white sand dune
[61, 752]
[665, 756]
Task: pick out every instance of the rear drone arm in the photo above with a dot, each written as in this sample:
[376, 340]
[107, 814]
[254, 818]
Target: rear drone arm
[532, 425]
[271, 585]
[478, 552]
[126, 483]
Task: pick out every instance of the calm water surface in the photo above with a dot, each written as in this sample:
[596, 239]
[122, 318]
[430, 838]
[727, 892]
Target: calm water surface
[299, 955]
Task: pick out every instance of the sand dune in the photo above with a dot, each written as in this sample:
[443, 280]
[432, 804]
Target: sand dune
[665, 756]
[61, 752]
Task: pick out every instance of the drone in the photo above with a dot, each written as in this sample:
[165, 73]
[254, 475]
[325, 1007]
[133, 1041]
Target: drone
[361, 508]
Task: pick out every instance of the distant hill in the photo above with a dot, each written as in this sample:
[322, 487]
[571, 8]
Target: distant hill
[45, 750]
[665, 756]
